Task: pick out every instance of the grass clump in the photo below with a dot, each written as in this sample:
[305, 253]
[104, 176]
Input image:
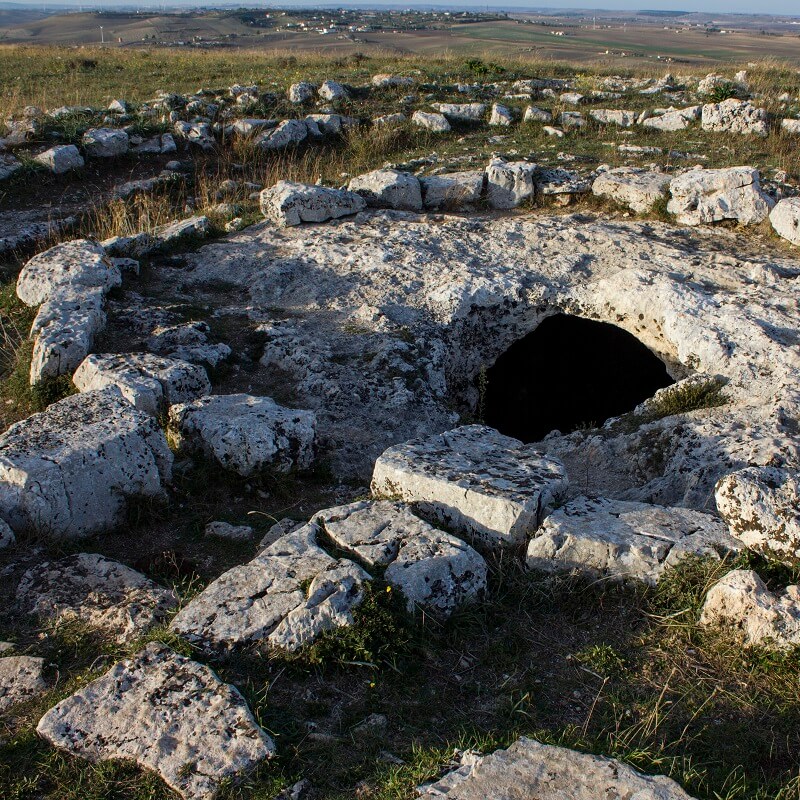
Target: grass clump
[685, 397]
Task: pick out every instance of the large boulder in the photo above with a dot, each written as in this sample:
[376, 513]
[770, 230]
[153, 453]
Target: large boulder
[452, 190]
[151, 383]
[289, 203]
[741, 601]
[168, 714]
[60, 159]
[286, 597]
[474, 480]
[639, 189]
[700, 196]
[389, 188]
[785, 219]
[21, 679]
[101, 594]
[105, 142]
[77, 265]
[244, 433]
[620, 540]
[735, 116]
[508, 183]
[70, 470]
[530, 769]
[433, 569]
[762, 508]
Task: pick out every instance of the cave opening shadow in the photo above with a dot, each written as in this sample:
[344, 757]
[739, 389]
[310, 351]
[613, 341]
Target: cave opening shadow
[569, 373]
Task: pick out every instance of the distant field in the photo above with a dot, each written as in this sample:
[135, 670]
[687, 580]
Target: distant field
[631, 43]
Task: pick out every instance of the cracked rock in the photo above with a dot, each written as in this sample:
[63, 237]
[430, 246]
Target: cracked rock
[21, 678]
[289, 203]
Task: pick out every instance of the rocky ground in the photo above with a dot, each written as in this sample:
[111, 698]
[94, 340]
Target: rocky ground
[256, 538]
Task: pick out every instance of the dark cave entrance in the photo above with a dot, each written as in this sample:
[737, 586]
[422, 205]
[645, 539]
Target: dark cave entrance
[568, 373]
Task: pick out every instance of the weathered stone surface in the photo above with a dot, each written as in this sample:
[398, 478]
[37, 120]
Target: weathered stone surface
[433, 122]
[452, 190]
[572, 119]
[501, 115]
[673, 119]
[534, 114]
[224, 530]
[639, 189]
[188, 342]
[70, 470]
[331, 90]
[381, 80]
[290, 203]
[389, 119]
[509, 183]
[60, 159]
[462, 112]
[433, 569]
[289, 133]
[475, 480]
[97, 592]
[735, 116]
[618, 539]
[790, 125]
[246, 434]
[333, 123]
[742, 601]
[785, 219]
[151, 383]
[762, 508]
[199, 134]
[166, 713]
[555, 181]
[77, 265]
[700, 196]
[609, 116]
[389, 188]
[529, 769]
[264, 603]
[302, 92]
[21, 678]
[105, 142]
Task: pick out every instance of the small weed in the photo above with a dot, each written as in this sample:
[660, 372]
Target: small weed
[686, 397]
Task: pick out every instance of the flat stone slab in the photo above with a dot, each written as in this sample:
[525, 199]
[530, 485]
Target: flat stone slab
[97, 592]
[762, 508]
[474, 480]
[21, 678]
[285, 597]
[245, 433]
[741, 601]
[151, 383]
[433, 569]
[639, 189]
[621, 539]
[389, 188]
[290, 203]
[70, 470]
[168, 714]
[529, 769]
[452, 190]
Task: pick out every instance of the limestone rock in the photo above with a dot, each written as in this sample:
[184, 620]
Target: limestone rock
[474, 480]
[452, 190]
[501, 115]
[290, 203]
[572, 119]
[433, 122]
[199, 134]
[433, 569]
[676, 119]
[389, 119]
[9, 164]
[608, 116]
[289, 594]
[509, 183]
[572, 98]
[389, 188]
[246, 434]
[620, 540]
[70, 470]
[762, 508]
[289, 133]
[530, 769]
[549, 130]
[382, 80]
[21, 678]
[78, 265]
[331, 91]
[301, 92]
[333, 124]
[790, 125]
[742, 601]
[151, 383]
[105, 142]
[224, 530]
[534, 114]
[462, 112]
[60, 159]
[785, 219]
[711, 82]
[97, 592]
[639, 189]
[166, 713]
[549, 181]
[700, 196]
[735, 116]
